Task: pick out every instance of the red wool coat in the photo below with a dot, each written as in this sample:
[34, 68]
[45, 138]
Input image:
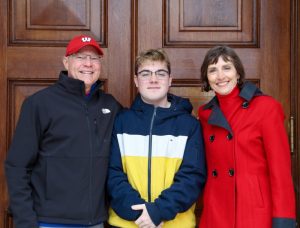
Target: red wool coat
[249, 183]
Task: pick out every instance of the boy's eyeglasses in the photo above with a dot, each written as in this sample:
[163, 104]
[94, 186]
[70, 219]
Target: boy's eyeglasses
[146, 74]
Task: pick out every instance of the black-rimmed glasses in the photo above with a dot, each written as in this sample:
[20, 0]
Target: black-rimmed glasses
[160, 74]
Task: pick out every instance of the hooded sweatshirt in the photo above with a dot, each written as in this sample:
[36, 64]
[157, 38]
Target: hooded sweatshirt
[157, 159]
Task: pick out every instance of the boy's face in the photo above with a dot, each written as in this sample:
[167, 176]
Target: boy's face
[153, 82]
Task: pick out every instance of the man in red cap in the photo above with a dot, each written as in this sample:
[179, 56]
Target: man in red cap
[57, 163]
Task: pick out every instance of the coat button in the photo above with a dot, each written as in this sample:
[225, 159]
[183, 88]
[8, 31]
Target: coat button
[245, 104]
[211, 138]
[214, 173]
[231, 172]
[229, 136]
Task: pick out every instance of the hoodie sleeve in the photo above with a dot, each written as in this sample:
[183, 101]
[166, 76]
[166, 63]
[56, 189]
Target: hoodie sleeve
[19, 164]
[188, 182]
[122, 195]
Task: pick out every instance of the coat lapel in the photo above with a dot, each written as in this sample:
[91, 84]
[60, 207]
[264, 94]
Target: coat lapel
[217, 117]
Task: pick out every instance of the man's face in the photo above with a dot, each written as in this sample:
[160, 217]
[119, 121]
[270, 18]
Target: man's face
[153, 82]
[85, 65]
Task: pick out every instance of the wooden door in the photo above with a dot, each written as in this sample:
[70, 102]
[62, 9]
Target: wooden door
[35, 33]
[33, 42]
[258, 30]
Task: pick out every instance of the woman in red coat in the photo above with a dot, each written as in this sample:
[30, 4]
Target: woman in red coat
[249, 183]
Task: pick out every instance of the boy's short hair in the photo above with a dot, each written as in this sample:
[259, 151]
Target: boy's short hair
[152, 55]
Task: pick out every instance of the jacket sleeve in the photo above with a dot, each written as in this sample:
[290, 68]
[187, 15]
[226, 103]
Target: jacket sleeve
[279, 163]
[121, 194]
[188, 182]
[19, 164]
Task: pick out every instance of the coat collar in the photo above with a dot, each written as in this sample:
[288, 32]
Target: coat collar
[249, 91]
[76, 86]
[217, 117]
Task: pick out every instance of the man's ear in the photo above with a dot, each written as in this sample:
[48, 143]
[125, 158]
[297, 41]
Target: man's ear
[65, 61]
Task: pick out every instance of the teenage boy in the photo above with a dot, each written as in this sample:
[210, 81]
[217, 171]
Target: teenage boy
[157, 165]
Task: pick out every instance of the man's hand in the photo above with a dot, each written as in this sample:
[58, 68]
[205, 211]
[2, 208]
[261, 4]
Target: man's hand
[144, 221]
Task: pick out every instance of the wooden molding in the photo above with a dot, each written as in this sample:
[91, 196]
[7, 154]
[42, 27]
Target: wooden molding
[207, 24]
[31, 22]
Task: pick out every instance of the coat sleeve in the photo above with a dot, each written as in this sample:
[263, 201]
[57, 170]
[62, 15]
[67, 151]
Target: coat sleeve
[121, 194]
[19, 164]
[188, 182]
[279, 162]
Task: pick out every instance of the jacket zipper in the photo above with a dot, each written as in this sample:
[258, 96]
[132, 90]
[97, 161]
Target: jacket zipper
[90, 160]
[96, 132]
[150, 154]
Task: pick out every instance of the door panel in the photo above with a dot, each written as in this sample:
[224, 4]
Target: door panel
[35, 33]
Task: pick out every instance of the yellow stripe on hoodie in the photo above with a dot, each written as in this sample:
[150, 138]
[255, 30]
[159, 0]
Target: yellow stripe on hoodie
[167, 155]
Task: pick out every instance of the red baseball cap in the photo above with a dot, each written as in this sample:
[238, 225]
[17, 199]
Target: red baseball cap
[81, 41]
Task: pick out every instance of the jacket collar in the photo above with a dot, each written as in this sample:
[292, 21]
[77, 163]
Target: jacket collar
[217, 117]
[76, 86]
[179, 106]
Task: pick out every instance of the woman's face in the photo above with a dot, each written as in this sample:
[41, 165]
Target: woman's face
[222, 76]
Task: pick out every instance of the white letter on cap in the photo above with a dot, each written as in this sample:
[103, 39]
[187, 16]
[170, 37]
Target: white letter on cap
[86, 39]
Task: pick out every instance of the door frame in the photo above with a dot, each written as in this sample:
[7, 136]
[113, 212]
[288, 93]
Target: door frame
[295, 100]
